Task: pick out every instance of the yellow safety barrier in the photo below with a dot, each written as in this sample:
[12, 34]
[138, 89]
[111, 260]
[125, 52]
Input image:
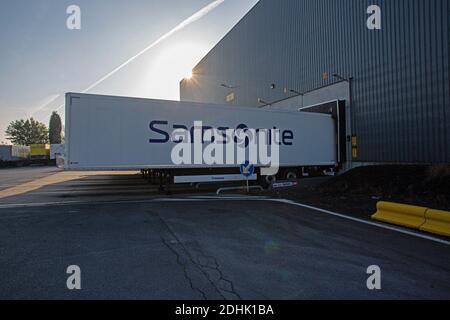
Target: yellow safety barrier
[400, 214]
[437, 221]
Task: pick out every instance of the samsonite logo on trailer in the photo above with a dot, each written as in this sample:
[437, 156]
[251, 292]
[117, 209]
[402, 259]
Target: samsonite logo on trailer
[204, 145]
[162, 128]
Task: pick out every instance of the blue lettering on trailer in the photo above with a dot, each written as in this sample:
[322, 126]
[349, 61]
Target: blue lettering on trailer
[157, 126]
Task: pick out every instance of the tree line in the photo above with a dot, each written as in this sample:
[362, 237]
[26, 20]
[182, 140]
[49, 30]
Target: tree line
[26, 132]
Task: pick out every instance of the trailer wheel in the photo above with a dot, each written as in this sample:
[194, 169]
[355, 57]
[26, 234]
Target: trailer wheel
[265, 181]
[291, 175]
[270, 179]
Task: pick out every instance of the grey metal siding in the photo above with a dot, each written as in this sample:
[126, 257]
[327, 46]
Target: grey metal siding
[401, 93]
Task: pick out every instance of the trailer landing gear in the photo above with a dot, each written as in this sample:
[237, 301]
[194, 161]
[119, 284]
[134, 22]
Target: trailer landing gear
[165, 181]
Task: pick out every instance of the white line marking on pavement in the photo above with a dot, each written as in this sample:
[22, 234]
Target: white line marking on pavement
[232, 198]
[66, 203]
[41, 204]
[375, 224]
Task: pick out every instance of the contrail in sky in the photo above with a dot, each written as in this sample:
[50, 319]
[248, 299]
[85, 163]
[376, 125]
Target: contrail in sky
[48, 100]
[196, 16]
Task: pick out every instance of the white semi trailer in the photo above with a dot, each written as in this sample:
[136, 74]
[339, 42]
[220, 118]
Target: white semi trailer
[122, 133]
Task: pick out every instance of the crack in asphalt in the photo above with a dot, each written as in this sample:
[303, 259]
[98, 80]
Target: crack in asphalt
[189, 258]
[184, 266]
[204, 269]
[216, 267]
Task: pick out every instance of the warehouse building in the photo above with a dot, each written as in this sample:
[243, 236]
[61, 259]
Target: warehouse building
[386, 61]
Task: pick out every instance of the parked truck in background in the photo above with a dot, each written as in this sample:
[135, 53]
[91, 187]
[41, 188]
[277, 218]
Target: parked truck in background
[40, 153]
[57, 155]
[14, 155]
[56, 150]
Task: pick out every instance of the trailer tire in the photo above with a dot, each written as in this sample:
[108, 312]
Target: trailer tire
[265, 181]
[270, 179]
[291, 175]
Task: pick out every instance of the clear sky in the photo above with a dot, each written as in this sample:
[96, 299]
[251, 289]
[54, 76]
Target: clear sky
[41, 59]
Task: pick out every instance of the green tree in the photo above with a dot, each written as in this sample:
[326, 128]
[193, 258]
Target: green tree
[27, 132]
[55, 129]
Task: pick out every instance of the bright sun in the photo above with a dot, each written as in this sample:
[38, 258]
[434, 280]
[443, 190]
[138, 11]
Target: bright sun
[179, 59]
[188, 75]
[172, 63]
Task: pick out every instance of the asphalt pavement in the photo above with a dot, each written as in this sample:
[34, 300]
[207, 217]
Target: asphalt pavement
[141, 245]
[10, 177]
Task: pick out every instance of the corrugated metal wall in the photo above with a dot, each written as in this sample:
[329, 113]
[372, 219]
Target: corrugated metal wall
[401, 110]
